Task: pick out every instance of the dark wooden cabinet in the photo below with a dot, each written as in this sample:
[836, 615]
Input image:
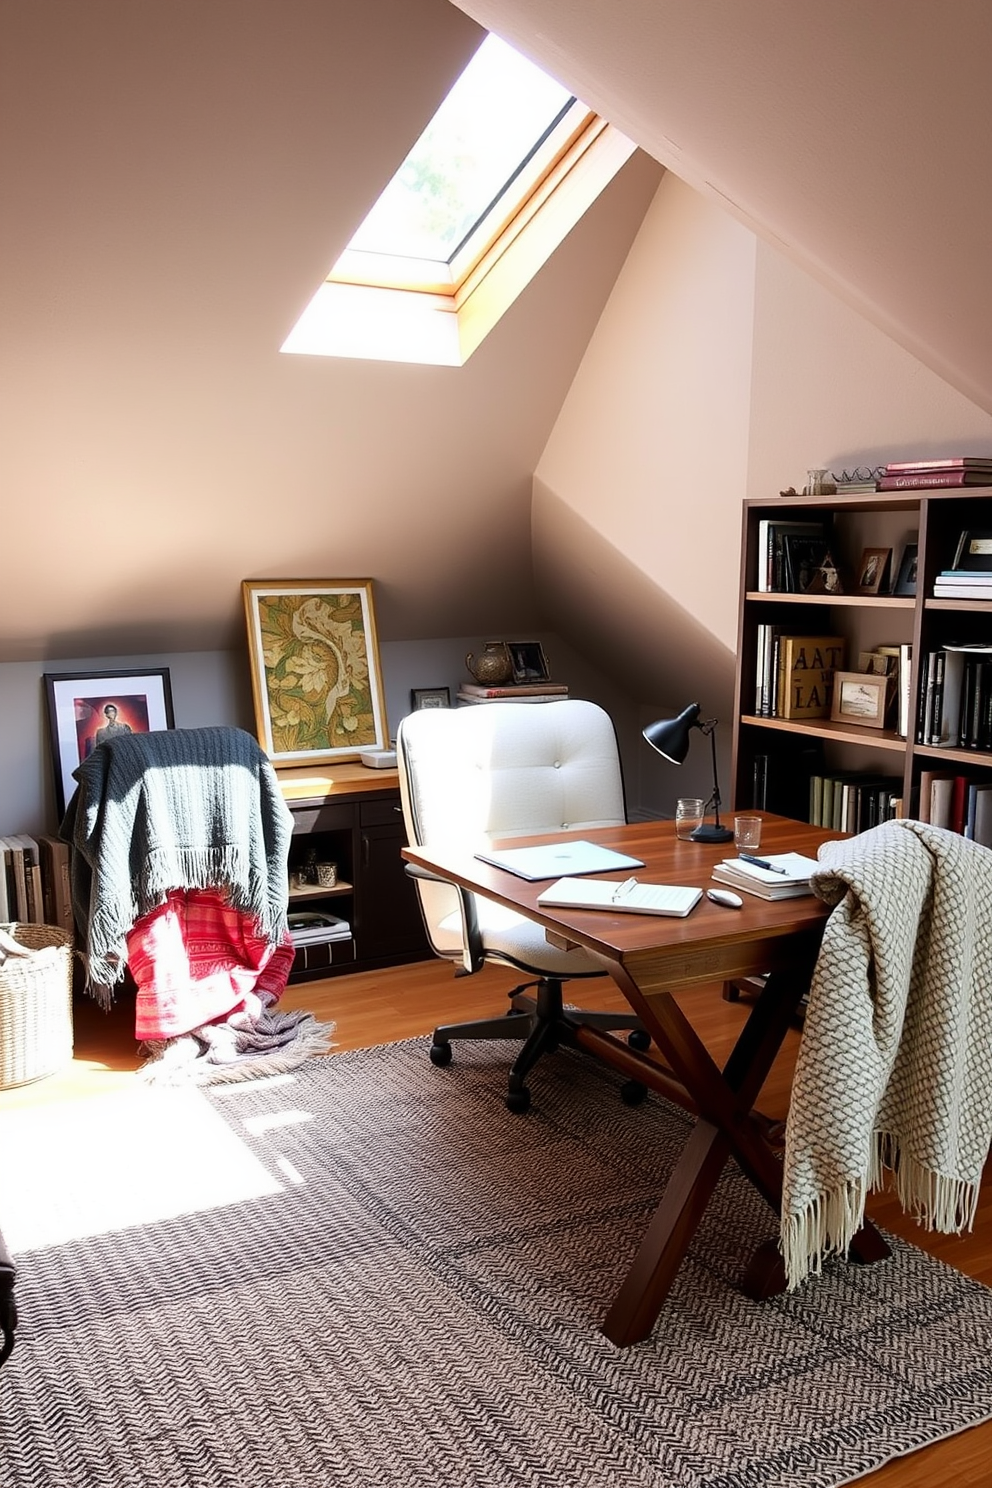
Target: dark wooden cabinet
[350, 816]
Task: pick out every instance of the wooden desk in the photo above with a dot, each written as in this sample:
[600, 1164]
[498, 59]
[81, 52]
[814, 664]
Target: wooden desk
[651, 958]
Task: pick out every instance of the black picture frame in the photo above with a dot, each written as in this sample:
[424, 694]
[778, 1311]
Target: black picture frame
[430, 697]
[83, 705]
[906, 577]
[529, 661]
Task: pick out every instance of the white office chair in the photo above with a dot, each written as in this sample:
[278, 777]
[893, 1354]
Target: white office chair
[499, 770]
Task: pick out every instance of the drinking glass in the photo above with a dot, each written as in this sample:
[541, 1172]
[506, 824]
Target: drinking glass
[747, 833]
[689, 812]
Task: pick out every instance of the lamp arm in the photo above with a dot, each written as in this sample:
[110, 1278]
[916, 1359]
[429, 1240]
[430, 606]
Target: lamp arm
[708, 726]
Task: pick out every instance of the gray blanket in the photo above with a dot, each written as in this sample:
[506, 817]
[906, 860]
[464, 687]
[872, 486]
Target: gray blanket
[180, 808]
[894, 1074]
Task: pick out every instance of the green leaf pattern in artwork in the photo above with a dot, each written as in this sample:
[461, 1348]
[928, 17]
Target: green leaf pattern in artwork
[315, 654]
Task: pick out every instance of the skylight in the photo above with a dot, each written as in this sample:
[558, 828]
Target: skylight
[486, 130]
[507, 166]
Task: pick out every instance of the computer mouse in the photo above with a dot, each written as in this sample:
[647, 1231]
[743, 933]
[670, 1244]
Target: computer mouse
[726, 897]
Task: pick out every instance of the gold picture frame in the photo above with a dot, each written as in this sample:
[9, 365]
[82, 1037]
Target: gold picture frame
[315, 674]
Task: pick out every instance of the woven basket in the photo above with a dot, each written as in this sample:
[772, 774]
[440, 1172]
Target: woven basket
[35, 1006]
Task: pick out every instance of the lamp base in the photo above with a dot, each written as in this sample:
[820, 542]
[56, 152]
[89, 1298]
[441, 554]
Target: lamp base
[711, 834]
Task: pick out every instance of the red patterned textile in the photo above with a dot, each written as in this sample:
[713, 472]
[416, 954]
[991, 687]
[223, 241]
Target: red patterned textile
[196, 959]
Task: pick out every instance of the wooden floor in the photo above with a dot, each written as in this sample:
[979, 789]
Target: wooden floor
[406, 1002]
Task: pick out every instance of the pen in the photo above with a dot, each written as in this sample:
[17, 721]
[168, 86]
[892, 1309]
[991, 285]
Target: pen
[761, 863]
[624, 888]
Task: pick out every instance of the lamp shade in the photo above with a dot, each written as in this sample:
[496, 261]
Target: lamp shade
[670, 736]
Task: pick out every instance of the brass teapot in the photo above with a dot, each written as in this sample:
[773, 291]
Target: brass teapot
[494, 666]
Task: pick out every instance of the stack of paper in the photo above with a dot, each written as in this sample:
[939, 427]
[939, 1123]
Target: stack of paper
[786, 877]
[634, 897]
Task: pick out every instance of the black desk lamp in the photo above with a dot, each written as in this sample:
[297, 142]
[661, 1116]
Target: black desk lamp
[670, 736]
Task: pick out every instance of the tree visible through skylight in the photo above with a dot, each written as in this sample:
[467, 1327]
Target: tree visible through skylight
[491, 122]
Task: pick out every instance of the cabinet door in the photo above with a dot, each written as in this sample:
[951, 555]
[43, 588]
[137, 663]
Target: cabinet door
[387, 914]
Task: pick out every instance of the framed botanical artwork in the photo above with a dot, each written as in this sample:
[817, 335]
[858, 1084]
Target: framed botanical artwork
[89, 708]
[430, 697]
[906, 577]
[529, 661]
[315, 674]
[860, 698]
[873, 570]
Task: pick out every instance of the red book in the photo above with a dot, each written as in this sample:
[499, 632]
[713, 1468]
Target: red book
[923, 480]
[959, 803]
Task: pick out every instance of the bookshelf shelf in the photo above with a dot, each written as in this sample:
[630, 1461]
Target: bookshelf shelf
[775, 759]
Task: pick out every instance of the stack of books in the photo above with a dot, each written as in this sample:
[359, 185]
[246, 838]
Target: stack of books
[970, 574]
[922, 475]
[777, 876]
[513, 692]
[955, 701]
[794, 673]
[312, 927]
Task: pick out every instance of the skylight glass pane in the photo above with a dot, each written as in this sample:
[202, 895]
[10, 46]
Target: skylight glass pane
[496, 113]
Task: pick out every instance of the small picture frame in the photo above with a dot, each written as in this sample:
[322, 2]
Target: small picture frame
[861, 699]
[906, 577]
[873, 570]
[88, 708]
[430, 697]
[529, 661]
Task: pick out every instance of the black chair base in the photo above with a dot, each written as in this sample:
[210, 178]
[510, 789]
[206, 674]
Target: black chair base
[543, 1023]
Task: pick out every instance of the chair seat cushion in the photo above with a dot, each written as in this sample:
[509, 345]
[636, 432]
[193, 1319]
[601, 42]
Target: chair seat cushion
[521, 942]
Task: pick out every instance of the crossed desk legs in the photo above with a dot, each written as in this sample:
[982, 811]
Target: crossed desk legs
[726, 1125]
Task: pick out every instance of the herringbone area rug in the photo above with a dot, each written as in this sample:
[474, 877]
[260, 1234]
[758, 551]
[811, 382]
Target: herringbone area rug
[420, 1305]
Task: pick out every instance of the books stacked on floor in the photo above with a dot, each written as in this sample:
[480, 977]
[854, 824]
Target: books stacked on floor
[958, 803]
[786, 877]
[923, 475]
[794, 673]
[313, 927]
[853, 800]
[513, 692]
[955, 698]
[970, 574]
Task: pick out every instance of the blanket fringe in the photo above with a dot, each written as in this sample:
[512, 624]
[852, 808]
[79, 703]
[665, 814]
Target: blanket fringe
[824, 1228]
[186, 1061]
[935, 1200]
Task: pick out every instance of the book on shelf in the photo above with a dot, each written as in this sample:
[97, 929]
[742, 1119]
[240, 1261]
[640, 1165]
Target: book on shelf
[853, 801]
[928, 480]
[771, 550]
[802, 558]
[34, 899]
[956, 698]
[806, 667]
[55, 884]
[787, 878]
[17, 889]
[950, 462]
[516, 696]
[630, 896]
[514, 689]
[961, 591]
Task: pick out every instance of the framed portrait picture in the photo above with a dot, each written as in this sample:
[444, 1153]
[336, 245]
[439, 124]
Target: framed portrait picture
[315, 675]
[873, 570]
[529, 661]
[87, 708]
[860, 698]
[906, 577]
[430, 697]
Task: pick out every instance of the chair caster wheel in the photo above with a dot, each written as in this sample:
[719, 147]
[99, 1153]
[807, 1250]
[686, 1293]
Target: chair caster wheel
[518, 1101]
[440, 1055]
[639, 1038]
[633, 1092]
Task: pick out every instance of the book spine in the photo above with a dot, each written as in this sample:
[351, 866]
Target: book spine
[955, 462]
[928, 480]
[935, 716]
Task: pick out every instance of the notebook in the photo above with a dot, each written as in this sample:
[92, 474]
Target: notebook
[605, 893]
[766, 883]
[571, 856]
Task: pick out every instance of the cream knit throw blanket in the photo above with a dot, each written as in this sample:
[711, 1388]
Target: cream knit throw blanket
[894, 1075]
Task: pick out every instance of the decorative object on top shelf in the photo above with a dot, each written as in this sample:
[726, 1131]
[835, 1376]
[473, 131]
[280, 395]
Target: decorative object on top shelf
[670, 736]
[430, 697]
[529, 661]
[495, 665]
[315, 675]
[814, 481]
[861, 698]
[87, 708]
[873, 570]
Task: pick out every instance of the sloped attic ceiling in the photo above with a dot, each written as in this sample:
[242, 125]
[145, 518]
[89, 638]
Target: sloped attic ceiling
[855, 137]
[177, 178]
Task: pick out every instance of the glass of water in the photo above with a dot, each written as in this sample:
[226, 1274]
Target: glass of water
[688, 815]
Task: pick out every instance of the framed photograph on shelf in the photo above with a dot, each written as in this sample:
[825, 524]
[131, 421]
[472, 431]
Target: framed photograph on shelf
[873, 570]
[860, 698]
[430, 697]
[906, 577]
[529, 661]
[88, 708]
[315, 675]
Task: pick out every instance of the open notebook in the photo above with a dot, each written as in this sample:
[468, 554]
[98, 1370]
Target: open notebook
[636, 898]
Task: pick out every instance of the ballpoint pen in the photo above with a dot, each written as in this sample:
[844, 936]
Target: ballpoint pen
[624, 888]
[762, 863]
